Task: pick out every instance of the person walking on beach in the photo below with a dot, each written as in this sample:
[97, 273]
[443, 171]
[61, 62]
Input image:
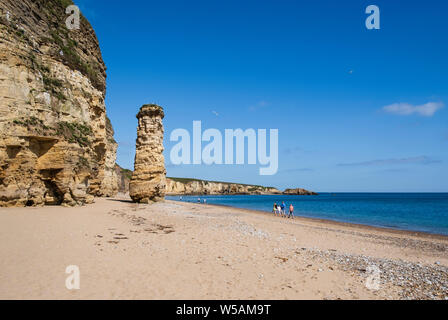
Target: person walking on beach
[291, 211]
[275, 209]
[283, 209]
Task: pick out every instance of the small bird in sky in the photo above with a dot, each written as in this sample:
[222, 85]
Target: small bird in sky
[215, 113]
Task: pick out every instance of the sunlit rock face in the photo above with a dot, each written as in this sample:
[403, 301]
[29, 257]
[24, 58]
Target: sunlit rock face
[299, 192]
[182, 186]
[148, 181]
[56, 142]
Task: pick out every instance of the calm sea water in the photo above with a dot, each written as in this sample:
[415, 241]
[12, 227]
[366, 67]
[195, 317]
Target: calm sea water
[426, 212]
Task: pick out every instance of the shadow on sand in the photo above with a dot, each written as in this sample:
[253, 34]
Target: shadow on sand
[122, 200]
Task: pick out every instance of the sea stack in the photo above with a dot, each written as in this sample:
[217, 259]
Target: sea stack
[148, 181]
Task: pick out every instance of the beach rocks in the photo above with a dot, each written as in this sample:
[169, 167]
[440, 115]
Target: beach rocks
[148, 180]
[414, 281]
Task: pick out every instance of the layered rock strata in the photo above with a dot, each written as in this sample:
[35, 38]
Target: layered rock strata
[148, 180]
[179, 186]
[56, 143]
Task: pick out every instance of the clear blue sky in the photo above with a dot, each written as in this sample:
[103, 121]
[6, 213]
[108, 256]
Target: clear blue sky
[309, 68]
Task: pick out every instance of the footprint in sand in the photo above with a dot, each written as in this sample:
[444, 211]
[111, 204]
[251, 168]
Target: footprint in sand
[121, 238]
[161, 228]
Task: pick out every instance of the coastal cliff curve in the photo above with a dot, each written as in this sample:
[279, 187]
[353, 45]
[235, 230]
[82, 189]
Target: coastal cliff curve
[189, 186]
[183, 186]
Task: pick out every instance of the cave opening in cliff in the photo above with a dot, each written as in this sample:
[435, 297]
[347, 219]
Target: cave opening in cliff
[53, 195]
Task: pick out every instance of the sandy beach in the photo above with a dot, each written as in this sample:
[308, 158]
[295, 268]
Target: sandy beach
[174, 250]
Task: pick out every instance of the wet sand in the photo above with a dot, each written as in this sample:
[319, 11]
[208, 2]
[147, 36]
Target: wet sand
[177, 250]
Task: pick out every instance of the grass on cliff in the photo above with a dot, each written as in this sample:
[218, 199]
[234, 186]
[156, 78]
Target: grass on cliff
[127, 173]
[61, 36]
[71, 131]
[74, 132]
[33, 123]
[15, 30]
[51, 84]
[70, 57]
[66, 3]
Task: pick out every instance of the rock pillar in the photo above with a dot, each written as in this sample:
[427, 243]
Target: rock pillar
[148, 181]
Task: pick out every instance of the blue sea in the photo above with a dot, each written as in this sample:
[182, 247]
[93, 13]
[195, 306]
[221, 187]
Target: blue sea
[427, 212]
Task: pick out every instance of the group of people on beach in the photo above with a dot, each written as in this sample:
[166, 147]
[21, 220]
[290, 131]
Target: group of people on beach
[280, 210]
[204, 201]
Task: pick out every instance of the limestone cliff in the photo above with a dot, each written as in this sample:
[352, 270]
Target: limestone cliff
[185, 186]
[56, 142]
[124, 177]
[178, 186]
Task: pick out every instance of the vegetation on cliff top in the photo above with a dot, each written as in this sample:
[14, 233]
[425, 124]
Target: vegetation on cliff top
[68, 48]
[62, 37]
[71, 58]
[187, 180]
[128, 174]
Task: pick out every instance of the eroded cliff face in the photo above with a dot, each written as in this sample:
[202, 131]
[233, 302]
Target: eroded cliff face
[148, 182]
[124, 177]
[56, 143]
[199, 187]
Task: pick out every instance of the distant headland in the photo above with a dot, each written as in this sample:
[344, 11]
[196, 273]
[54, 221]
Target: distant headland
[191, 186]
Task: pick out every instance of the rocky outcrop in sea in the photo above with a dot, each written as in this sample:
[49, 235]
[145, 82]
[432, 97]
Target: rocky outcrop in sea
[299, 192]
